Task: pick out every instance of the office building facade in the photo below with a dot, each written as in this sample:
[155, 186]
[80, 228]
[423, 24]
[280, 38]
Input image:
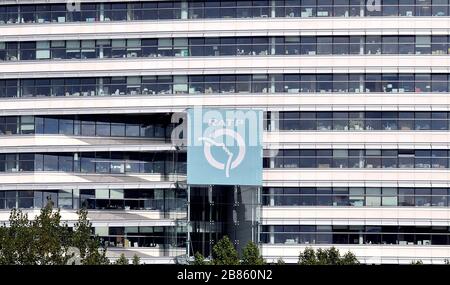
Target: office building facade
[355, 133]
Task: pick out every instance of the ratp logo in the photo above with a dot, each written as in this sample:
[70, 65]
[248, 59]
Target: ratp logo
[224, 146]
[230, 163]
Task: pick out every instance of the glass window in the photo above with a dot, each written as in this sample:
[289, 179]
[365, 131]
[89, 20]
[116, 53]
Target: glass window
[389, 197]
[407, 8]
[50, 162]
[439, 83]
[439, 121]
[390, 7]
[340, 196]
[340, 121]
[440, 8]
[308, 44]
[51, 126]
[356, 198]
[324, 158]
[25, 199]
[341, 8]
[389, 121]
[26, 162]
[308, 83]
[43, 50]
[373, 120]
[373, 45]
[390, 45]
[66, 162]
[228, 46]
[291, 121]
[423, 43]
[406, 197]
[439, 197]
[406, 44]
[423, 7]
[73, 49]
[325, 44]
[324, 82]
[373, 158]
[260, 83]
[180, 84]
[291, 45]
[423, 158]
[373, 83]
[423, 197]
[119, 49]
[423, 120]
[324, 121]
[65, 199]
[307, 158]
[117, 129]
[324, 196]
[439, 44]
[340, 158]
[88, 49]
[356, 121]
[66, 126]
[439, 158]
[307, 121]
[340, 83]
[373, 197]
[58, 50]
[27, 50]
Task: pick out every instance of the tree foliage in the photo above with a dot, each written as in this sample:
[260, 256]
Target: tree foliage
[224, 253]
[136, 260]
[199, 259]
[122, 260]
[91, 252]
[329, 256]
[251, 255]
[45, 240]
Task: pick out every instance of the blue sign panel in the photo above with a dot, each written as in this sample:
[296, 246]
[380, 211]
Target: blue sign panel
[224, 147]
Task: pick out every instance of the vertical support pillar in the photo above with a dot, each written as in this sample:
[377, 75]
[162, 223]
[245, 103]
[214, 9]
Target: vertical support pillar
[188, 223]
[184, 10]
[271, 235]
[102, 12]
[271, 197]
[273, 9]
[361, 83]
[362, 7]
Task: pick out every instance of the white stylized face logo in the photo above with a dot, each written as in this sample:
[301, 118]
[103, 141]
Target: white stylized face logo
[230, 163]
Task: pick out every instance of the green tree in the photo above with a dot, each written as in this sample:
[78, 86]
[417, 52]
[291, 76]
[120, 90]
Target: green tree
[307, 257]
[136, 260]
[17, 241]
[91, 252]
[122, 260]
[224, 253]
[329, 256]
[46, 240]
[53, 238]
[251, 255]
[199, 259]
[42, 241]
[280, 261]
[349, 259]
